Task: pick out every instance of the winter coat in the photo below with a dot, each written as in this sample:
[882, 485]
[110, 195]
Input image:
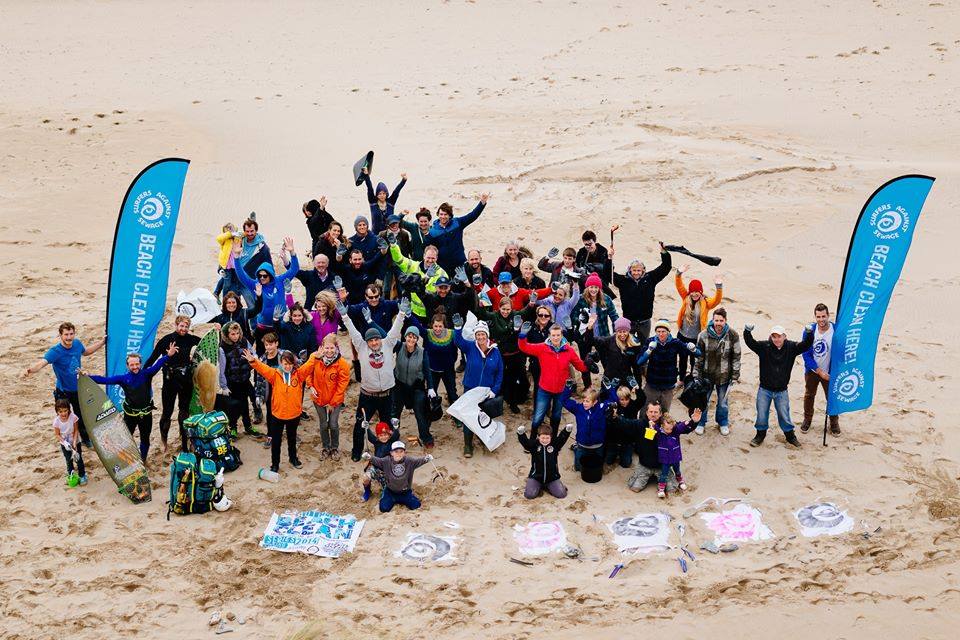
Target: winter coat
[314, 283]
[606, 314]
[616, 363]
[412, 370]
[449, 239]
[367, 245]
[376, 367]
[378, 216]
[483, 369]
[720, 362]
[406, 265]
[706, 304]
[668, 446]
[329, 381]
[286, 389]
[323, 328]
[298, 337]
[562, 312]
[234, 369]
[501, 329]
[355, 281]
[663, 370]
[317, 225]
[544, 465]
[272, 293]
[554, 363]
[777, 364]
[636, 296]
[418, 240]
[592, 422]
[241, 316]
[453, 302]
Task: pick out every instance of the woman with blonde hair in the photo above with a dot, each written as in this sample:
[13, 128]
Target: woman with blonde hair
[694, 312]
[325, 318]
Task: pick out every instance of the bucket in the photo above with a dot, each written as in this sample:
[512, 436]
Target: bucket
[591, 465]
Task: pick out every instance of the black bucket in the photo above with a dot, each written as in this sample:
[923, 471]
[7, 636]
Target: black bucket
[591, 465]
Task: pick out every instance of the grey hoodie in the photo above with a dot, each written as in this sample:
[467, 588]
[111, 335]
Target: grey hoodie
[376, 368]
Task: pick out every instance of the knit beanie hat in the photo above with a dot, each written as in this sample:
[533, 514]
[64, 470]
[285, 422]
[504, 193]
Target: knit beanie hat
[482, 326]
[622, 324]
[382, 429]
[696, 287]
[382, 187]
[358, 220]
[372, 333]
[411, 329]
[593, 280]
[662, 323]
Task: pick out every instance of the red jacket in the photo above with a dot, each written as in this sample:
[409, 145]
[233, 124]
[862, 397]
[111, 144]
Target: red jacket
[554, 365]
[520, 298]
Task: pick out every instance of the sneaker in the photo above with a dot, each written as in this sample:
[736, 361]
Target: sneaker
[87, 443]
[805, 426]
[275, 469]
[366, 493]
[758, 439]
[305, 416]
[83, 480]
[295, 463]
[661, 490]
[253, 433]
[792, 439]
[324, 454]
[724, 430]
[699, 430]
[335, 455]
[266, 442]
[233, 434]
[467, 451]
[428, 446]
[681, 484]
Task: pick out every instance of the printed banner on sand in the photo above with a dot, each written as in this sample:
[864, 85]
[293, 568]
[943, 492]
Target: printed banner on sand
[642, 533]
[316, 533]
[823, 518]
[425, 548]
[539, 538]
[739, 524]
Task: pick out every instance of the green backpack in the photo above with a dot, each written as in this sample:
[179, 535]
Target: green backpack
[192, 485]
[208, 435]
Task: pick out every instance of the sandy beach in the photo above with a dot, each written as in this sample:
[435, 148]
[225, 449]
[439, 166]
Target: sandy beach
[751, 131]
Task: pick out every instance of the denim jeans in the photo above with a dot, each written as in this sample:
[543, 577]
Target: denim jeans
[618, 452]
[368, 406]
[329, 420]
[665, 472]
[723, 409]
[542, 402]
[579, 451]
[781, 402]
[390, 498]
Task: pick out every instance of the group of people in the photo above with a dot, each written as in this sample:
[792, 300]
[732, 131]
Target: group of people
[421, 309]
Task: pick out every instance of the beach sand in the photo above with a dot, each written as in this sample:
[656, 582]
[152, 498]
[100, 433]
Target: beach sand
[752, 131]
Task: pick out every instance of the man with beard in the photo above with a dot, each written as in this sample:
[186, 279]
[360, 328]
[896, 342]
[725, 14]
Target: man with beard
[177, 378]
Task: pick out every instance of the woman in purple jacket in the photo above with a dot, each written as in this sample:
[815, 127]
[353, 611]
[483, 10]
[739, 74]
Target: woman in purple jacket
[668, 449]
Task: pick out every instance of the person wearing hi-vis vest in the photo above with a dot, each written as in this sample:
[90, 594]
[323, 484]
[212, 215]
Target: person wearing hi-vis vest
[816, 365]
[428, 270]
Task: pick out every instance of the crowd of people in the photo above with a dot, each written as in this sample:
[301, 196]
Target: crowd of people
[565, 330]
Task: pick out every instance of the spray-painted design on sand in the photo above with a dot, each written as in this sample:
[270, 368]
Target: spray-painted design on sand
[642, 533]
[426, 549]
[316, 533]
[741, 523]
[116, 448]
[823, 518]
[539, 538]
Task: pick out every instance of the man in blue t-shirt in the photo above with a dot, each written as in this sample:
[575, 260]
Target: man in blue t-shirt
[64, 357]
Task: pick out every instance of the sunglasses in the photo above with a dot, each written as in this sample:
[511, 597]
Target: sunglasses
[373, 297]
[263, 275]
[543, 315]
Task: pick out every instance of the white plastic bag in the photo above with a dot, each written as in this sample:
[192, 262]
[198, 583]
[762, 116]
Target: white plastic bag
[467, 410]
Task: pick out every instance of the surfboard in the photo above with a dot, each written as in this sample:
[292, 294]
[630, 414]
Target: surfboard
[208, 350]
[115, 446]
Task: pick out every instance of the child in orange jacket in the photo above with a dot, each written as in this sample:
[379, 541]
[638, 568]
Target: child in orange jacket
[286, 400]
[328, 384]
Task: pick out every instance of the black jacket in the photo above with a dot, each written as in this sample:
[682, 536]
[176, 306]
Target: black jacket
[181, 359]
[777, 364]
[616, 363]
[452, 303]
[317, 224]
[543, 460]
[636, 296]
[314, 284]
[298, 337]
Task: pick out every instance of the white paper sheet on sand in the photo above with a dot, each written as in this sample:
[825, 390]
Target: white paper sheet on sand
[539, 538]
[739, 524]
[426, 548]
[823, 518]
[491, 432]
[642, 533]
[316, 533]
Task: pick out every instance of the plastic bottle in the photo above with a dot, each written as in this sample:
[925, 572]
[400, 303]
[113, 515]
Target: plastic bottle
[268, 475]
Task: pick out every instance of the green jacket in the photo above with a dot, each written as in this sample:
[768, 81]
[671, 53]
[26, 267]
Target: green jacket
[407, 265]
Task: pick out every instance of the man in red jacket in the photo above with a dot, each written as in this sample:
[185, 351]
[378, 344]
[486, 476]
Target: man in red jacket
[555, 357]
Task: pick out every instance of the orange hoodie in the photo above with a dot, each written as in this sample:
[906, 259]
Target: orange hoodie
[330, 382]
[708, 303]
[286, 394]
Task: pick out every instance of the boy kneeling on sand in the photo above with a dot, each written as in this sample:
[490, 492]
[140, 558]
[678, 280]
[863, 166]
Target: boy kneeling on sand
[398, 470]
[544, 466]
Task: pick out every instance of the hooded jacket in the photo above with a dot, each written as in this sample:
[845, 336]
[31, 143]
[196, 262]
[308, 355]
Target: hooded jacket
[592, 422]
[449, 239]
[544, 466]
[406, 265]
[636, 295]
[777, 364]
[668, 446]
[253, 254]
[554, 363]
[482, 369]
[662, 370]
[720, 362]
[273, 295]
[378, 216]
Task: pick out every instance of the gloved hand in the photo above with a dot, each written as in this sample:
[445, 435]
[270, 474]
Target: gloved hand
[517, 321]
[341, 250]
[691, 347]
[428, 458]
[555, 286]
[491, 394]
[431, 271]
[341, 308]
[381, 244]
[224, 391]
[632, 382]
[391, 238]
[457, 321]
[584, 316]
[568, 426]
[592, 366]
[570, 384]
[431, 394]
[553, 253]
[748, 327]
[606, 382]
[614, 382]
[533, 298]
[365, 424]
[367, 315]
[365, 455]
[460, 274]
[405, 306]
[522, 429]
[524, 328]
[394, 422]
[337, 282]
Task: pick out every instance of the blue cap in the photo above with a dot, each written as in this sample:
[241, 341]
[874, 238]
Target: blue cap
[393, 218]
[504, 277]
[443, 281]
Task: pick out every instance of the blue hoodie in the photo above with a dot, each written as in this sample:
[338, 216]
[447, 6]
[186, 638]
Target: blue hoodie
[253, 253]
[273, 294]
[378, 217]
[592, 422]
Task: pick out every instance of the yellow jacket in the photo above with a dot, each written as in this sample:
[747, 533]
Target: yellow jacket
[708, 303]
[225, 240]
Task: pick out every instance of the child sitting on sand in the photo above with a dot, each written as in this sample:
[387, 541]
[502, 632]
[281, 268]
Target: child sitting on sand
[398, 470]
[544, 465]
[382, 437]
[67, 431]
[668, 448]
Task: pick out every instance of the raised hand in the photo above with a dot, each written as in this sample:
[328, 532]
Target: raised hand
[592, 366]
[524, 328]
[484, 197]
[517, 321]
[337, 282]
[718, 279]
[249, 357]
[341, 308]
[663, 249]
[288, 244]
[554, 286]
[391, 238]
[683, 268]
[748, 327]
[403, 176]
[323, 203]
[367, 315]
[533, 298]
[395, 422]
[172, 349]
[522, 429]
[431, 271]
[553, 253]
[405, 306]
[632, 382]
[381, 244]
[460, 274]
[457, 321]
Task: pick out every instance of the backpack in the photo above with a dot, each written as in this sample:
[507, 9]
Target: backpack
[208, 435]
[192, 485]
